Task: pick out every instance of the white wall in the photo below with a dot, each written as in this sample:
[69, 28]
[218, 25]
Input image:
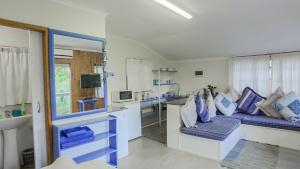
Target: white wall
[54, 15]
[118, 50]
[215, 73]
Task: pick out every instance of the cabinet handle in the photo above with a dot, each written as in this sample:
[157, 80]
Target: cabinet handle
[39, 107]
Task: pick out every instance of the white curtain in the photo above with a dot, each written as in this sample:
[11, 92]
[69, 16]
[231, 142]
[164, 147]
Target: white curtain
[14, 76]
[139, 75]
[147, 75]
[251, 71]
[133, 75]
[286, 72]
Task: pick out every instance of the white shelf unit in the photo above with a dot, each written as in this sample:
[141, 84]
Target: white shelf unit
[160, 71]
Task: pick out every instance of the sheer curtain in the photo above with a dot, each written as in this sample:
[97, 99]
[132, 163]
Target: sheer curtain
[14, 74]
[139, 75]
[251, 71]
[134, 75]
[286, 72]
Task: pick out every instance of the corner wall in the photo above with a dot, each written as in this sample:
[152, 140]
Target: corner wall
[119, 49]
[215, 73]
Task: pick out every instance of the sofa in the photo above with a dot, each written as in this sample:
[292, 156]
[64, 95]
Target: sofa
[216, 139]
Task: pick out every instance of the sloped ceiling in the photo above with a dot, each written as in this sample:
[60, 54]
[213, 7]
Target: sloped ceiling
[219, 28]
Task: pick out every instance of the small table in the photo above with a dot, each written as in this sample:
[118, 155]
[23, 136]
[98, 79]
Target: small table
[83, 102]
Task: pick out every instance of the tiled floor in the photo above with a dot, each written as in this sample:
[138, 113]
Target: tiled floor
[154, 131]
[152, 117]
[148, 154]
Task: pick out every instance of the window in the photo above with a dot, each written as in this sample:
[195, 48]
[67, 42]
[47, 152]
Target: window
[99, 91]
[253, 72]
[139, 75]
[266, 73]
[63, 89]
[286, 72]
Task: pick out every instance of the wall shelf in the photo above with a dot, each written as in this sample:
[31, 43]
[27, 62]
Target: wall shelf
[91, 148]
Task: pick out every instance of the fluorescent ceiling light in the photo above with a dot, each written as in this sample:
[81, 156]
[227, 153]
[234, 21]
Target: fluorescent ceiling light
[174, 8]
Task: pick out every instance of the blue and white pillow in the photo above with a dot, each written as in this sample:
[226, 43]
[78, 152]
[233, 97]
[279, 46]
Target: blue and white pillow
[247, 103]
[201, 110]
[289, 106]
[225, 104]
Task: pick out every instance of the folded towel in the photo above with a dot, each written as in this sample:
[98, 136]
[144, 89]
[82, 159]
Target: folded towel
[77, 142]
[64, 139]
[76, 131]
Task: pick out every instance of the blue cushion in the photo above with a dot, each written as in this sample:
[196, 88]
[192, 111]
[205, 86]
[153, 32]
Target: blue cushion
[201, 110]
[218, 129]
[247, 102]
[239, 116]
[225, 104]
[265, 121]
[289, 106]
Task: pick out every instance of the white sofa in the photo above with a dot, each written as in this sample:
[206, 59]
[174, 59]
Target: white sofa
[217, 150]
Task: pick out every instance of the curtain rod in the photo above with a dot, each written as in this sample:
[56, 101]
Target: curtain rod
[268, 54]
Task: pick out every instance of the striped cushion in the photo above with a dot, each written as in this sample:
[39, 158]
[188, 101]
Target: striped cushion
[247, 103]
[201, 110]
[218, 129]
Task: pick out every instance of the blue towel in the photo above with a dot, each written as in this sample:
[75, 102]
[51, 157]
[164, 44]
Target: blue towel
[75, 136]
[76, 131]
[64, 139]
[77, 142]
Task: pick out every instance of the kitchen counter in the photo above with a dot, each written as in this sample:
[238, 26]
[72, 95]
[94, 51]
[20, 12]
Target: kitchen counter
[112, 109]
[178, 102]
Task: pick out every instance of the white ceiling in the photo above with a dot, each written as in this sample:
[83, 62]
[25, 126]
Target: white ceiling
[219, 28]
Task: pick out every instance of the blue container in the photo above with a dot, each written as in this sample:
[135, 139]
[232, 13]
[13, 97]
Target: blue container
[16, 113]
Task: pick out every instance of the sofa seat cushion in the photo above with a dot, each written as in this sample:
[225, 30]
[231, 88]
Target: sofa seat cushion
[265, 121]
[218, 129]
[239, 116]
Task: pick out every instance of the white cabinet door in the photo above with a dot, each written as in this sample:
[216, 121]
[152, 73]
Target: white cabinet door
[122, 126]
[38, 108]
[134, 120]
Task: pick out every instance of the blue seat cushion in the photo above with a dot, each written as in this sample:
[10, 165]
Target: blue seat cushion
[265, 121]
[239, 116]
[218, 129]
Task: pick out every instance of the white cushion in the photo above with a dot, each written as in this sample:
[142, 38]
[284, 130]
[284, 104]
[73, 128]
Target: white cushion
[233, 94]
[225, 104]
[63, 163]
[266, 105]
[188, 112]
[211, 106]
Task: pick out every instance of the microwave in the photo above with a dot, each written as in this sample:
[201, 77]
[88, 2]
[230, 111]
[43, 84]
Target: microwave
[122, 96]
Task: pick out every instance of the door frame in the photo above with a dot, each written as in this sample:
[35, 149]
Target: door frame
[48, 120]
